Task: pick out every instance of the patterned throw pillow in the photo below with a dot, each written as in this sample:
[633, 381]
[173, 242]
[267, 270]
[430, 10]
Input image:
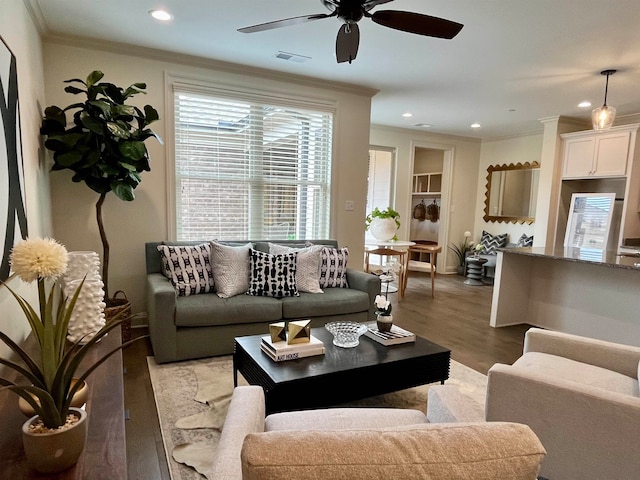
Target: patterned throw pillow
[230, 267]
[491, 242]
[525, 241]
[273, 275]
[307, 268]
[188, 268]
[333, 267]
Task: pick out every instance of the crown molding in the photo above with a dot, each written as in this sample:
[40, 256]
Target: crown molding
[202, 62]
[37, 17]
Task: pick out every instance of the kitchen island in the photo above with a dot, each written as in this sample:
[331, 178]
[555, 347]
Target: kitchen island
[581, 291]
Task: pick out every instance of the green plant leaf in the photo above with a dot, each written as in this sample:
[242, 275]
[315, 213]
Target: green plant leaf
[123, 191]
[151, 114]
[133, 150]
[68, 159]
[94, 77]
[120, 110]
[73, 90]
[103, 106]
[117, 130]
[92, 123]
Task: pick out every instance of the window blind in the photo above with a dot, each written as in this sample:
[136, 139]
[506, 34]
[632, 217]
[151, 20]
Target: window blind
[249, 170]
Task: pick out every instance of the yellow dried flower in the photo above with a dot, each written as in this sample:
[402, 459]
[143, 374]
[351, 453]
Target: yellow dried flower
[38, 258]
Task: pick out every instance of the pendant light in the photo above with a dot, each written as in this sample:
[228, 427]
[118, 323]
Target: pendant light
[602, 118]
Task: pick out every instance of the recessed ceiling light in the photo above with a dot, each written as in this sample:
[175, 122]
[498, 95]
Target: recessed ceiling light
[292, 57]
[407, 115]
[585, 104]
[161, 15]
[475, 125]
[423, 125]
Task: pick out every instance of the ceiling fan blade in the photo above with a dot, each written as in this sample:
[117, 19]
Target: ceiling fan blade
[417, 23]
[347, 42]
[286, 22]
[369, 4]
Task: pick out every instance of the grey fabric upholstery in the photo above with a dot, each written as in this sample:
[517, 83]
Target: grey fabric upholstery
[580, 396]
[370, 443]
[205, 325]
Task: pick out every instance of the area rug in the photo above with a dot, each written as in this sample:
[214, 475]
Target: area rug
[192, 399]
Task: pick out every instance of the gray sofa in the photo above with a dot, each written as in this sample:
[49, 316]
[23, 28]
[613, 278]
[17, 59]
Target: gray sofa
[205, 325]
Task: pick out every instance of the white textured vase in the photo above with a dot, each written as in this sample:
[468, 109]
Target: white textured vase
[81, 264]
[383, 229]
[88, 315]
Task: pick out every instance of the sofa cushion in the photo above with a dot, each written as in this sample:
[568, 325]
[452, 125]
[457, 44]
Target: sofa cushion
[343, 419]
[272, 275]
[335, 301]
[307, 268]
[583, 373]
[456, 451]
[230, 265]
[333, 267]
[188, 268]
[212, 310]
[491, 242]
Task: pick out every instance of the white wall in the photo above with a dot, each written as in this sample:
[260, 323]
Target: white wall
[19, 33]
[130, 224]
[522, 149]
[466, 158]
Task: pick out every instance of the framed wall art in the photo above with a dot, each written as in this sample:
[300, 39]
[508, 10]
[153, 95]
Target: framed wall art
[13, 216]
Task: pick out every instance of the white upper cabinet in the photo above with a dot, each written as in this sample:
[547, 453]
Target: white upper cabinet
[593, 155]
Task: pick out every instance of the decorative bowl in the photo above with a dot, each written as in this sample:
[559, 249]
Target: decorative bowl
[346, 334]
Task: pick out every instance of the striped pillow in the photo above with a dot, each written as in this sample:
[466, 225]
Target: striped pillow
[491, 242]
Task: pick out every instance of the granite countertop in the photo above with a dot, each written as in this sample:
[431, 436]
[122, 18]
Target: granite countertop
[607, 258]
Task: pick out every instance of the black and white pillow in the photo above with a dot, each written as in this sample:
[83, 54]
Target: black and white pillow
[188, 268]
[272, 275]
[333, 267]
[491, 242]
[525, 241]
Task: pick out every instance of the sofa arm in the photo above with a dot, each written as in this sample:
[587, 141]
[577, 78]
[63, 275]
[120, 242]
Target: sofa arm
[161, 307]
[365, 282]
[245, 415]
[446, 404]
[619, 358]
[589, 432]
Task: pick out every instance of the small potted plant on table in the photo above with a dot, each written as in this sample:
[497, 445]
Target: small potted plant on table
[383, 224]
[54, 437]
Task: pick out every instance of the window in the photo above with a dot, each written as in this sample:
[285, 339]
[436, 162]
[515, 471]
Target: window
[249, 169]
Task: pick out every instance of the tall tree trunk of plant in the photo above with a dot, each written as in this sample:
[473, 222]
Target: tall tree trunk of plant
[105, 246]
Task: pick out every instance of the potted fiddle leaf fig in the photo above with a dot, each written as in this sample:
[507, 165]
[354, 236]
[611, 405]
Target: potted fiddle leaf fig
[105, 144]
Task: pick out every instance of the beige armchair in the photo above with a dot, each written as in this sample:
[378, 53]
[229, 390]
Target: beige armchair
[373, 443]
[580, 396]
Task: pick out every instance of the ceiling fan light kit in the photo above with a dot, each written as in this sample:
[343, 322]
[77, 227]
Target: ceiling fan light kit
[350, 12]
[603, 117]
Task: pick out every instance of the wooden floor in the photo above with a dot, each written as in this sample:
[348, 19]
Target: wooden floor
[457, 318]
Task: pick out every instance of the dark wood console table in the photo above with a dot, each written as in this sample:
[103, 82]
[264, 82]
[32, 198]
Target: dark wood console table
[104, 456]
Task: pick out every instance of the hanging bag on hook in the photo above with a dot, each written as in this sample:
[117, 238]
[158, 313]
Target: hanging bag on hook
[420, 211]
[433, 212]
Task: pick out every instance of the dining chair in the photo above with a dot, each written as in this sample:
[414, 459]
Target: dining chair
[432, 251]
[390, 252]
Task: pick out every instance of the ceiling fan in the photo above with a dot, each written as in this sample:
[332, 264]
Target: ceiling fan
[350, 12]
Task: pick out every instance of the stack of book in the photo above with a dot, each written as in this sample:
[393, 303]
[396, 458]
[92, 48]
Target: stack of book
[394, 337]
[281, 351]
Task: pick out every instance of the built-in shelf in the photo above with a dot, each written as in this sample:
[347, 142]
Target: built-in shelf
[427, 183]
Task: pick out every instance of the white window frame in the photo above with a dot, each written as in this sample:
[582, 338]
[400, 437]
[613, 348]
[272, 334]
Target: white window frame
[235, 92]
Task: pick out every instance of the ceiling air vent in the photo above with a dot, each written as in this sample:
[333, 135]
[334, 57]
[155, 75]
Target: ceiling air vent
[292, 57]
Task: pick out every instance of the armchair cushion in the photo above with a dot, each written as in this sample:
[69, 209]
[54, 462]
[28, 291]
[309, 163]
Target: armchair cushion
[582, 373]
[439, 451]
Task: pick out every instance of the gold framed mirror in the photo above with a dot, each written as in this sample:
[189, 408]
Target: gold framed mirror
[511, 193]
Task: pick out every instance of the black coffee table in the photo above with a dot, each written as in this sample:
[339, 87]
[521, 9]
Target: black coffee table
[340, 375]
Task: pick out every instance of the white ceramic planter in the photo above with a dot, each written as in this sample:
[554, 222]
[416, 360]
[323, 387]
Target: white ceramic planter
[383, 229]
[88, 314]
